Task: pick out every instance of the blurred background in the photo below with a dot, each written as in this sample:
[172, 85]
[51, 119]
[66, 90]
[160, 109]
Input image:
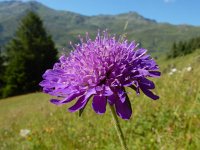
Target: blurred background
[33, 34]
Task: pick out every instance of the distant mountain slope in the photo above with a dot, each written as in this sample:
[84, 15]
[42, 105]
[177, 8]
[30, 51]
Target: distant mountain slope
[65, 26]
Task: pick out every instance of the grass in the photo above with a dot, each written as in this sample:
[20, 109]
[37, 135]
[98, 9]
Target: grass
[170, 123]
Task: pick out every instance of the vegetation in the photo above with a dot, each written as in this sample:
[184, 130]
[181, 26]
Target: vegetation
[184, 48]
[1, 72]
[172, 122]
[28, 55]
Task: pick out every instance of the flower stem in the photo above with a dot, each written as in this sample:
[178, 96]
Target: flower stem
[118, 128]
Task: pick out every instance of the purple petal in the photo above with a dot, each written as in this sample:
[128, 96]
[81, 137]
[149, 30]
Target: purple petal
[111, 99]
[66, 100]
[44, 83]
[99, 104]
[143, 72]
[146, 83]
[122, 95]
[123, 110]
[55, 101]
[145, 57]
[154, 74]
[149, 93]
[79, 104]
[82, 101]
[140, 52]
[108, 91]
[98, 88]
[131, 46]
[127, 83]
[90, 92]
[47, 90]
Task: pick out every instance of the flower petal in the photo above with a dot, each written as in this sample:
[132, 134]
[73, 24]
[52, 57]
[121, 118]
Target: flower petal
[140, 52]
[149, 93]
[123, 110]
[111, 99]
[82, 101]
[99, 104]
[79, 104]
[154, 74]
[108, 91]
[66, 100]
[146, 83]
[122, 95]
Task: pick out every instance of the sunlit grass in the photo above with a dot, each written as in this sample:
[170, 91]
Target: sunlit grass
[172, 122]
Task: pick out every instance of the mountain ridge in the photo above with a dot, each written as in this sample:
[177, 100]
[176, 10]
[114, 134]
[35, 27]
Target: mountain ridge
[65, 26]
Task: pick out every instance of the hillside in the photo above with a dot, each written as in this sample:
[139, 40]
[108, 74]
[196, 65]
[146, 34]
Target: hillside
[172, 122]
[65, 26]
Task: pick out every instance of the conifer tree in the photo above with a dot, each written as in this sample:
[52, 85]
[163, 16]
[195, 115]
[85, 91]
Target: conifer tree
[1, 61]
[1, 72]
[184, 48]
[174, 50]
[29, 54]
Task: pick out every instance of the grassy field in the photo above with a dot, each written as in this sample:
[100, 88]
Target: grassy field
[171, 123]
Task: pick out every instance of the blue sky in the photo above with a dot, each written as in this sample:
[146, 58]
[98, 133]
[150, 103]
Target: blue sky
[172, 11]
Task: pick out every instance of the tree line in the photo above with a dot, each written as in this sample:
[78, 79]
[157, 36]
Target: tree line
[24, 59]
[182, 48]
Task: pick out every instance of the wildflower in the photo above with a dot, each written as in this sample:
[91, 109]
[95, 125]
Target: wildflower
[101, 69]
[189, 68]
[173, 70]
[24, 132]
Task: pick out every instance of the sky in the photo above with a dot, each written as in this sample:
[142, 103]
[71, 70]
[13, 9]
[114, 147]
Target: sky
[171, 11]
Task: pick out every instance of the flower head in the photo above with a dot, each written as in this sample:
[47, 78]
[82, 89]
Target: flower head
[24, 132]
[101, 69]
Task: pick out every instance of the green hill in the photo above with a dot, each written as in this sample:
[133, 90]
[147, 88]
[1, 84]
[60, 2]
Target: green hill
[172, 122]
[65, 26]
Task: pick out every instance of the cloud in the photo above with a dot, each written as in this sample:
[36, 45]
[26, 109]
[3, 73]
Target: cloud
[169, 1]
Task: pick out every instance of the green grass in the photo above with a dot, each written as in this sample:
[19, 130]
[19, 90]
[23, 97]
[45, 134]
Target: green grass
[172, 122]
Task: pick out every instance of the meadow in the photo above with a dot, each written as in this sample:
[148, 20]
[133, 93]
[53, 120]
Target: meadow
[170, 123]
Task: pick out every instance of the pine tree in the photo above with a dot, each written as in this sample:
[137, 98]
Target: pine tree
[184, 47]
[29, 54]
[174, 50]
[1, 61]
[1, 72]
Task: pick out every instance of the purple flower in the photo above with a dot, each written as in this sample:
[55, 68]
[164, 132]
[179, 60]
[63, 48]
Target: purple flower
[101, 69]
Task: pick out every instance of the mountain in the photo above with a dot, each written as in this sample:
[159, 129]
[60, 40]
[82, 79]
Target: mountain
[65, 26]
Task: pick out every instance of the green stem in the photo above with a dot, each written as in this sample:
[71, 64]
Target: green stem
[118, 128]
